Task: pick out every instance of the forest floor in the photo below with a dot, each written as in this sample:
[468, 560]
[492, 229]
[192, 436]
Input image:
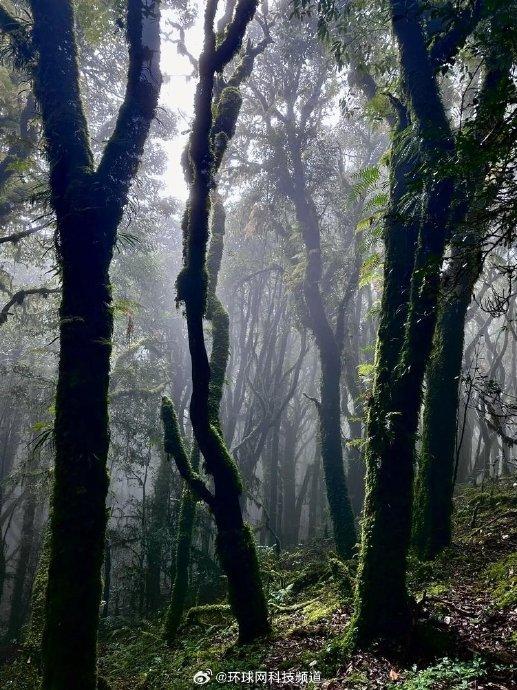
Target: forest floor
[467, 598]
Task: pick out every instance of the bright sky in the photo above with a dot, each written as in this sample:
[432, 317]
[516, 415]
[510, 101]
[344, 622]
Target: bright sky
[178, 94]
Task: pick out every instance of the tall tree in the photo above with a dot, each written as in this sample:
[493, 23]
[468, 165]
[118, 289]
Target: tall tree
[88, 203]
[291, 106]
[394, 410]
[196, 284]
[484, 151]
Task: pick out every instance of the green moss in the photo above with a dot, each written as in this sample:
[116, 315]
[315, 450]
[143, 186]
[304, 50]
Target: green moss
[174, 614]
[319, 609]
[225, 118]
[37, 606]
[502, 580]
[209, 613]
[189, 288]
[344, 576]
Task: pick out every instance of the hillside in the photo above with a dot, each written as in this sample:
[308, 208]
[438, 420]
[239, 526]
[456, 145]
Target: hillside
[465, 634]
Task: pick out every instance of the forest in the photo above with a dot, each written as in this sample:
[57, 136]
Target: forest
[258, 348]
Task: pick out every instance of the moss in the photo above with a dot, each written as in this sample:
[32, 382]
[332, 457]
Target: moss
[37, 605]
[209, 613]
[190, 288]
[321, 608]
[174, 614]
[225, 119]
[502, 580]
[343, 576]
[157, 534]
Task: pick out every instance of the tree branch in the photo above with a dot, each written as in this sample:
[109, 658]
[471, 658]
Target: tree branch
[232, 41]
[56, 86]
[15, 237]
[125, 147]
[445, 45]
[19, 37]
[20, 296]
[173, 446]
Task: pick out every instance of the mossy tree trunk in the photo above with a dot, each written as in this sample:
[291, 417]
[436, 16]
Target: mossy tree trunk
[435, 478]
[185, 532]
[88, 204]
[411, 282]
[397, 397]
[213, 126]
[157, 536]
[400, 235]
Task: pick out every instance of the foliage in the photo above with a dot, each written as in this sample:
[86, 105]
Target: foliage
[447, 674]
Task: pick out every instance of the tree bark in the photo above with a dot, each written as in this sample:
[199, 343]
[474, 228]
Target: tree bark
[196, 285]
[88, 205]
[435, 478]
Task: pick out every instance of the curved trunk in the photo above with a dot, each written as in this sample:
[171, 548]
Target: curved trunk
[330, 357]
[213, 127]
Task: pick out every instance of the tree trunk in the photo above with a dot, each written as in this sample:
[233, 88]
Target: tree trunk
[329, 352]
[212, 128]
[157, 531]
[332, 454]
[18, 609]
[435, 480]
[290, 525]
[314, 495]
[78, 516]
[88, 204]
[186, 520]
[106, 586]
[434, 483]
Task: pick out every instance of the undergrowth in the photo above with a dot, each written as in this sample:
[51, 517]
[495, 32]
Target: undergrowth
[309, 593]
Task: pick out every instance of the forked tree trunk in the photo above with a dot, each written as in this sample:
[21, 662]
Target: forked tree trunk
[88, 204]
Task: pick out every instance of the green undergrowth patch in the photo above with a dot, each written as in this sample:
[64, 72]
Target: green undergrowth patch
[501, 579]
[486, 513]
[308, 586]
[447, 674]
[303, 588]
[485, 523]
[309, 593]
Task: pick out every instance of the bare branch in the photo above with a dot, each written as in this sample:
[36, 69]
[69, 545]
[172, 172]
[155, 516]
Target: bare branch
[19, 297]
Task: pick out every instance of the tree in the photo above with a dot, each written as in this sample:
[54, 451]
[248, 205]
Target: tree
[196, 283]
[88, 203]
[484, 147]
[394, 410]
[298, 160]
